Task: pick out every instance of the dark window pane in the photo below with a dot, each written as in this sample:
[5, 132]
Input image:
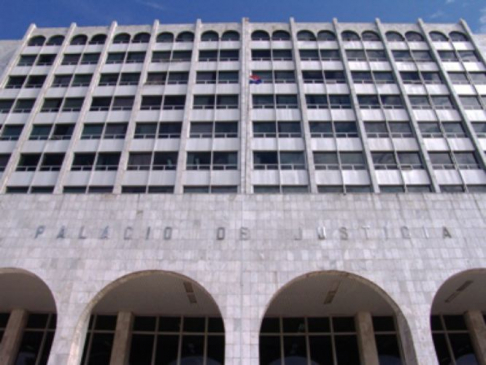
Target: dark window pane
[321, 324]
[192, 351]
[270, 350]
[194, 324]
[29, 348]
[167, 349]
[270, 325]
[347, 351]
[141, 349]
[295, 351]
[388, 350]
[144, 324]
[293, 325]
[169, 324]
[101, 346]
[343, 324]
[321, 350]
[215, 352]
[462, 349]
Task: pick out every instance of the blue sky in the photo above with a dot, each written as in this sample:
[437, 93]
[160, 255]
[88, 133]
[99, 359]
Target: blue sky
[16, 15]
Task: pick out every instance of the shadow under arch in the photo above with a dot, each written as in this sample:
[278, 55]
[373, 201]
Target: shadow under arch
[458, 317]
[336, 283]
[100, 303]
[24, 289]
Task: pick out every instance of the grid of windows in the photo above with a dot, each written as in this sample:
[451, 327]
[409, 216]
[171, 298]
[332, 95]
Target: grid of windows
[351, 96]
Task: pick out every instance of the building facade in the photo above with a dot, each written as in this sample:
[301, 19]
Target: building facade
[243, 193]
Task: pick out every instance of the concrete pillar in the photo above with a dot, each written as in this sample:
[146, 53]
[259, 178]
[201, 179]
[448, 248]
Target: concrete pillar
[12, 336]
[477, 330]
[366, 339]
[121, 343]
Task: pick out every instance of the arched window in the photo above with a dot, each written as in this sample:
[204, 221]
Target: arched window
[98, 39]
[349, 36]
[121, 38]
[414, 37]
[280, 35]
[370, 37]
[260, 35]
[165, 37]
[394, 37]
[326, 36]
[141, 38]
[37, 41]
[230, 36]
[305, 35]
[55, 40]
[458, 37]
[210, 36]
[438, 37]
[185, 37]
[79, 40]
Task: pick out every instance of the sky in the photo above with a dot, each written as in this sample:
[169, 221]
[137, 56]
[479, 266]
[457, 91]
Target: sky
[16, 15]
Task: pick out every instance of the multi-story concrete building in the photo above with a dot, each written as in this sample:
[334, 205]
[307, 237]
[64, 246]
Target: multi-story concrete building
[243, 193]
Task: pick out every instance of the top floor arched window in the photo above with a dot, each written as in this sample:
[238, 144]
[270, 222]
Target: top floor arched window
[141, 38]
[260, 35]
[230, 35]
[98, 39]
[185, 37]
[394, 37]
[280, 35]
[325, 35]
[165, 37]
[438, 37]
[121, 38]
[370, 36]
[349, 36]
[79, 40]
[458, 37]
[210, 36]
[414, 37]
[36, 41]
[305, 35]
[55, 40]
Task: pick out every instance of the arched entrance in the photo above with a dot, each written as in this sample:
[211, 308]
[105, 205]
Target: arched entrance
[27, 318]
[151, 318]
[458, 319]
[334, 318]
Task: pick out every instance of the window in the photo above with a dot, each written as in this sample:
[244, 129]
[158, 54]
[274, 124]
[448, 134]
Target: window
[326, 161]
[458, 37]
[410, 161]
[15, 82]
[277, 129]
[349, 36]
[38, 334]
[120, 79]
[90, 58]
[448, 56]
[218, 101]
[214, 130]
[326, 36]
[141, 38]
[11, 132]
[451, 336]
[352, 161]
[420, 102]
[121, 38]
[27, 60]
[98, 39]
[230, 36]
[185, 37]
[212, 160]
[166, 130]
[402, 56]
[422, 56]
[355, 55]
[454, 130]
[480, 129]
[72, 104]
[275, 54]
[116, 103]
[280, 35]
[3, 165]
[432, 78]
[79, 40]
[52, 162]
[209, 36]
[62, 80]
[468, 56]
[414, 37]
[165, 37]
[105, 131]
[441, 160]
[391, 101]
[23, 105]
[208, 190]
[221, 55]
[478, 78]
[278, 77]
[175, 56]
[71, 59]
[270, 101]
[37, 41]
[333, 129]
[174, 102]
[370, 37]
[376, 55]
[305, 35]
[260, 35]
[369, 102]
[40, 132]
[51, 105]
[458, 78]
[394, 37]
[152, 161]
[45, 59]
[384, 160]
[28, 162]
[107, 161]
[442, 102]
[273, 160]
[438, 37]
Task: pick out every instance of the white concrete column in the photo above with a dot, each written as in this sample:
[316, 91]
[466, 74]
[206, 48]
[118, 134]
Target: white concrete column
[477, 331]
[121, 344]
[12, 336]
[368, 353]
